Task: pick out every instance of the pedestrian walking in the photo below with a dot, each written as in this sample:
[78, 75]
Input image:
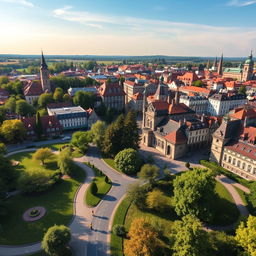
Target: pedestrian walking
[91, 226]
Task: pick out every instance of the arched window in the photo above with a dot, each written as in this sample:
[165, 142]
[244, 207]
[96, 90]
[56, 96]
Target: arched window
[249, 167]
[238, 163]
[234, 161]
[225, 157]
[229, 159]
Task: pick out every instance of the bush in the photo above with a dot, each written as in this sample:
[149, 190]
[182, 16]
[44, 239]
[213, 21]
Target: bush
[56, 177]
[128, 161]
[56, 239]
[119, 230]
[35, 182]
[106, 179]
[187, 165]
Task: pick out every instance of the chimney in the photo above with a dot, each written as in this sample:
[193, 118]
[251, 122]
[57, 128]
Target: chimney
[177, 97]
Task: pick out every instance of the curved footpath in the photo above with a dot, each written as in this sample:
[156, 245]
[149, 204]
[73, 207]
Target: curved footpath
[96, 242]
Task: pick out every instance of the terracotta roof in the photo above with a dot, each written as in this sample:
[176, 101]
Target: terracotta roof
[194, 89]
[111, 89]
[188, 76]
[160, 105]
[249, 133]
[33, 88]
[244, 149]
[59, 105]
[176, 137]
[179, 108]
[243, 113]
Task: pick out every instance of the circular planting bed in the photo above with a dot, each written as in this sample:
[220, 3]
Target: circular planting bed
[33, 214]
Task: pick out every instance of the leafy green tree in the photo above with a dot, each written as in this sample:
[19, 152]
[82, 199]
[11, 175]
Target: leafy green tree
[23, 108]
[58, 94]
[45, 99]
[81, 140]
[13, 130]
[156, 200]
[7, 174]
[67, 98]
[242, 90]
[113, 136]
[39, 126]
[84, 99]
[137, 195]
[128, 161]
[10, 104]
[4, 80]
[3, 149]
[198, 83]
[43, 154]
[56, 240]
[98, 130]
[245, 235]
[131, 137]
[190, 239]
[194, 193]
[252, 195]
[65, 162]
[119, 230]
[149, 172]
[2, 114]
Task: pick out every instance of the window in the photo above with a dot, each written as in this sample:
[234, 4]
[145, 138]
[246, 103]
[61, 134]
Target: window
[229, 159]
[249, 167]
[243, 166]
[225, 157]
[238, 164]
[234, 161]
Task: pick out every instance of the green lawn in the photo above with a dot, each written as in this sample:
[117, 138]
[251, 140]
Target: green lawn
[116, 242]
[111, 163]
[103, 187]
[226, 211]
[58, 202]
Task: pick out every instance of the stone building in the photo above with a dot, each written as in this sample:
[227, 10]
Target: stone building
[197, 103]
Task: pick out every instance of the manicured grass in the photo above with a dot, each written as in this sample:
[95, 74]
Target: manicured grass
[103, 187]
[116, 242]
[111, 163]
[242, 194]
[58, 202]
[225, 210]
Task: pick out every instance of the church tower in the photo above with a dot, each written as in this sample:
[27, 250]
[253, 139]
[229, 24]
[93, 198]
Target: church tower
[44, 75]
[248, 69]
[220, 66]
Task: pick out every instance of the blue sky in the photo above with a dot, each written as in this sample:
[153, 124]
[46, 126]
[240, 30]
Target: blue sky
[142, 27]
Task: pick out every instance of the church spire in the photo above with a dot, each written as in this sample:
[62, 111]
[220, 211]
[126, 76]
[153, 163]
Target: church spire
[220, 71]
[43, 63]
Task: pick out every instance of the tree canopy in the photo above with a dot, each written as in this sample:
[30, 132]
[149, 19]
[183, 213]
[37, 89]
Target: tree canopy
[43, 154]
[97, 132]
[149, 172]
[84, 99]
[81, 140]
[45, 99]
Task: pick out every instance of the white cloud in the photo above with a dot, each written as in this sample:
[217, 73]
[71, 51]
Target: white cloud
[22, 2]
[241, 3]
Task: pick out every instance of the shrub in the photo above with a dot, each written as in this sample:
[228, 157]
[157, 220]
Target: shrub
[156, 200]
[35, 181]
[56, 177]
[119, 230]
[128, 161]
[187, 165]
[43, 154]
[106, 179]
[137, 195]
[56, 239]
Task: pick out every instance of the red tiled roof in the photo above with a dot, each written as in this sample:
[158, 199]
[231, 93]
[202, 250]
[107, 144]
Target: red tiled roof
[176, 137]
[33, 88]
[194, 89]
[243, 149]
[243, 112]
[249, 133]
[160, 105]
[179, 108]
[111, 89]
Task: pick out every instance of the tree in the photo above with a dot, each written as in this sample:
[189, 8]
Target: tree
[156, 200]
[190, 239]
[58, 94]
[2, 114]
[149, 172]
[45, 99]
[10, 104]
[23, 108]
[38, 127]
[119, 230]
[198, 83]
[137, 195]
[131, 137]
[4, 80]
[81, 140]
[113, 137]
[65, 162]
[98, 130]
[13, 130]
[144, 240]
[128, 161]
[194, 193]
[245, 235]
[2, 149]
[43, 154]
[242, 90]
[67, 98]
[7, 174]
[56, 239]
[187, 165]
[84, 99]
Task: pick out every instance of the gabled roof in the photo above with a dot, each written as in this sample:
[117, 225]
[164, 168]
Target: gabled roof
[176, 137]
[160, 105]
[194, 89]
[243, 112]
[33, 88]
[111, 89]
[179, 108]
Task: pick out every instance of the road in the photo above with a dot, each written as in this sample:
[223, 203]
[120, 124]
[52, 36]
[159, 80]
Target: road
[98, 240]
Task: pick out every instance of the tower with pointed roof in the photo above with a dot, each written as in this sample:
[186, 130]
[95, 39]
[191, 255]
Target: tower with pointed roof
[214, 66]
[248, 69]
[44, 75]
[220, 66]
